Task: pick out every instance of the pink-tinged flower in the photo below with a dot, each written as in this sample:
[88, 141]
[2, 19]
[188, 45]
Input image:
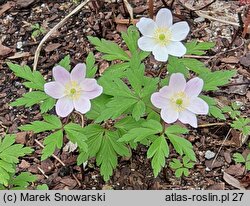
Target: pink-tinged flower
[72, 90]
[161, 36]
[180, 101]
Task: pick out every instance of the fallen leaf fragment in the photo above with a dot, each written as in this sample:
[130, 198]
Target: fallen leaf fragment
[230, 60]
[52, 47]
[233, 181]
[4, 50]
[19, 55]
[6, 7]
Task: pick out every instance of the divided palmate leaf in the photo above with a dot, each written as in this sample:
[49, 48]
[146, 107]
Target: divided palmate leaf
[110, 49]
[35, 79]
[181, 145]
[9, 154]
[53, 141]
[158, 151]
[65, 63]
[51, 122]
[147, 129]
[90, 64]
[215, 79]
[198, 48]
[21, 181]
[103, 145]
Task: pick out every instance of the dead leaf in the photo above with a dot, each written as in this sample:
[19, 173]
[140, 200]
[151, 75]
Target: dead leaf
[245, 60]
[19, 55]
[52, 47]
[4, 50]
[216, 186]
[129, 9]
[233, 181]
[230, 60]
[69, 182]
[24, 3]
[6, 7]
[24, 164]
[235, 170]
[246, 180]
[21, 137]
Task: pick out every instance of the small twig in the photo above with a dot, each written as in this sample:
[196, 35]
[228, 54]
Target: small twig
[129, 9]
[82, 118]
[126, 21]
[78, 182]
[151, 8]
[212, 124]
[164, 3]
[207, 5]
[41, 145]
[221, 147]
[196, 57]
[37, 53]
[42, 172]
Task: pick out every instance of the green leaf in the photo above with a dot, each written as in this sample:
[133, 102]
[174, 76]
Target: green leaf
[242, 124]
[176, 66]
[198, 48]
[213, 109]
[175, 164]
[148, 128]
[213, 80]
[76, 134]
[42, 187]
[23, 180]
[108, 152]
[176, 129]
[115, 71]
[110, 49]
[30, 99]
[97, 106]
[65, 63]
[158, 151]
[51, 122]
[138, 110]
[181, 145]
[35, 79]
[53, 141]
[187, 163]
[91, 68]
[194, 65]
[131, 38]
[238, 158]
[116, 107]
[47, 104]
[9, 154]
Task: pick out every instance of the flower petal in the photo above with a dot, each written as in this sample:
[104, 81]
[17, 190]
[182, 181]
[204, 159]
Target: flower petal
[179, 31]
[194, 87]
[89, 84]
[176, 48]
[166, 92]
[82, 104]
[198, 106]
[146, 43]
[61, 75]
[78, 73]
[64, 106]
[160, 53]
[93, 93]
[158, 100]
[54, 89]
[188, 117]
[146, 26]
[177, 82]
[169, 115]
[164, 18]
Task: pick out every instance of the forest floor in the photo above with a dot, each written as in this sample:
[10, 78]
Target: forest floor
[100, 19]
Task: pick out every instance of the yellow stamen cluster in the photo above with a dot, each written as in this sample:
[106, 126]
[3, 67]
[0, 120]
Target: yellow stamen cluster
[180, 101]
[163, 36]
[73, 89]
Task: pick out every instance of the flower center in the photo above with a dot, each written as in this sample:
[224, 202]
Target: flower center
[73, 90]
[180, 101]
[163, 36]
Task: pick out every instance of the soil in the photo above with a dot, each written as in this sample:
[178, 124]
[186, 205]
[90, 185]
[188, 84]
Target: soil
[17, 45]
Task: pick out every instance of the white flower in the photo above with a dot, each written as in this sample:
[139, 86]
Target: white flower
[179, 100]
[161, 36]
[73, 90]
